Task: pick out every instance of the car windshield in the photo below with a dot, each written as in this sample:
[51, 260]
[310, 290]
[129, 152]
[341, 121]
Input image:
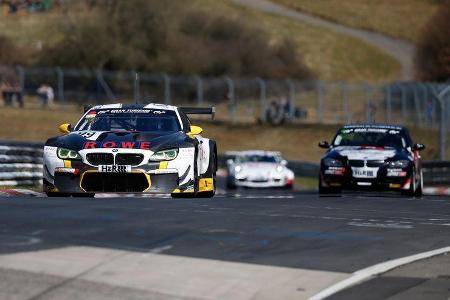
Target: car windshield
[372, 137]
[130, 120]
[257, 158]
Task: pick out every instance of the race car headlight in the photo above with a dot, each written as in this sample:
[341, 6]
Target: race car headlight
[237, 169]
[68, 154]
[331, 162]
[280, 169]
[398, 164]
[164, 155]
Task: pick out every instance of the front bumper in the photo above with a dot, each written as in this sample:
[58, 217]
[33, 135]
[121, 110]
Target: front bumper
[93, 181]
[270, 183]
[64, 176]
[384, 180]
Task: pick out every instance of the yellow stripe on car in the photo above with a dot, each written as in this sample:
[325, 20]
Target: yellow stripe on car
[67, 164]
[205, 185]
[163, 165]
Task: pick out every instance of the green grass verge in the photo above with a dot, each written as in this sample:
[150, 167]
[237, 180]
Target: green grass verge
[398, 18]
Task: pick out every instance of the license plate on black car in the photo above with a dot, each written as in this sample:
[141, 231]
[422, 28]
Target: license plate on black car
[363, 173]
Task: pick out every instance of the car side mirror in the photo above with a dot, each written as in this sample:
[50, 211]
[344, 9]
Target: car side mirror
[284, 162]
[195, 130]
[418, 147]
[65, 128]
[324, 144]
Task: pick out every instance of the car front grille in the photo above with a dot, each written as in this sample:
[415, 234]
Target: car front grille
[96, 159]
[359, 163]
[115, 182]
[356, 163]
[132, 159]
[375, 163]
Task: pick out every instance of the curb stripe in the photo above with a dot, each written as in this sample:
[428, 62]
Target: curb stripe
[364, 274]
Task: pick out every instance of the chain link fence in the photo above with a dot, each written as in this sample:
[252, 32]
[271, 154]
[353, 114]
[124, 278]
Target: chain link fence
[249, 100]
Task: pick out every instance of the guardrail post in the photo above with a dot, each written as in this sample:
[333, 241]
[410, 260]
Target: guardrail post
[104, 85]
[417, 105]
[370, 110]
[443, 121]
[344, 89]
[199, 82]
[428, 114]
[262, 98]
[291, 98]
[136, 87]
[388, 103]
[231, 99]
[403, 99]
[167, 96]
[60, 75]
[21, 72]
[320, 96]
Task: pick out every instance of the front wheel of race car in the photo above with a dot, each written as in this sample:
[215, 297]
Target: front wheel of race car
[325, 190]
[78, 195]
[57, 194]
[84, 195]
[419, 189]
[210, 176]
[195, 183]
[413, 188]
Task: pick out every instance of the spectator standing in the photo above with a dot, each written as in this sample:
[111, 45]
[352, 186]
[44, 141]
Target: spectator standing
[17, 91]
[46, 94]
[5, 88]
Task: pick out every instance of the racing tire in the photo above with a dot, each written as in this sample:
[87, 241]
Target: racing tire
[327, 190]
[84, 195]
[211, 173]
[57, 194]
[411, 192]
[230, 183]
[419, 189]
[194, 194]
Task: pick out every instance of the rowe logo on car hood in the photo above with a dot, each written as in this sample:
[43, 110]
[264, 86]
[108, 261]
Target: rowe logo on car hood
[364, 153]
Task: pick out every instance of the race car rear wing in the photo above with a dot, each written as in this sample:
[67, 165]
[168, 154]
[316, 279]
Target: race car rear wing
[199, 111]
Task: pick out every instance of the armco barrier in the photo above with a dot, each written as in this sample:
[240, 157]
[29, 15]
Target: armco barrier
[20, 163]
[436, 173]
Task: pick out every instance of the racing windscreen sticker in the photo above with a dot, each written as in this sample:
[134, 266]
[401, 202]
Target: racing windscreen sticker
[131, 111]
[127, 145]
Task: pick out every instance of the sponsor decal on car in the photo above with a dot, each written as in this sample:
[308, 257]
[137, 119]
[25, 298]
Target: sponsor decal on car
[111, 144]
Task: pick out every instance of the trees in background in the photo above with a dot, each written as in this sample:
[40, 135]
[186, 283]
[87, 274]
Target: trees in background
[11, 54]
[171, 36]
[433, 50]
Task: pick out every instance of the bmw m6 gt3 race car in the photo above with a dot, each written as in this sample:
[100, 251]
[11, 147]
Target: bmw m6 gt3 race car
[372, 157]
[258, 169]
[131, 149]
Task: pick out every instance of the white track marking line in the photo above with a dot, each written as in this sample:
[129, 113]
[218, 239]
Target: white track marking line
[364, 274]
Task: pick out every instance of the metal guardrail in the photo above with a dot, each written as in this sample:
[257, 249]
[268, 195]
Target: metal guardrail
[20, 163]
[436, 173]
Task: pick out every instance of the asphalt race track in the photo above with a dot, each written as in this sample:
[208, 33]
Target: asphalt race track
[193, 247]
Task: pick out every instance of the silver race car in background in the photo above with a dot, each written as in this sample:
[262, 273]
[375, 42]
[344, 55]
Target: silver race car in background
[258, 169]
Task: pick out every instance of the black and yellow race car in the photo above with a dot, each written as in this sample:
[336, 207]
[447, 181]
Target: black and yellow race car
[119, 148]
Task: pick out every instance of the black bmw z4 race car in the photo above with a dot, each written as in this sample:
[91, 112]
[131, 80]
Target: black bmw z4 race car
[119, 148]
[375, 157]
